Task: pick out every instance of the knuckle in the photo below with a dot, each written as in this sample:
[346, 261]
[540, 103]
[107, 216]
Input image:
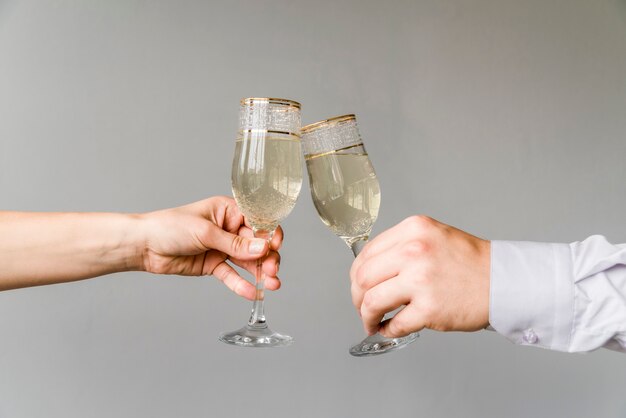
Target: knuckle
[237, 244]
[420, 223]
[221, 272]
[425, 221]
[443, 328]
[361, 278]
[400, 326]
[370, 302]
[422, 274]
[204, 234]
[227, 277]
[237, 288]
[352, 271]
[428, 270]
[416, 248]
[355, 297]
[157, 266]
[429, 309]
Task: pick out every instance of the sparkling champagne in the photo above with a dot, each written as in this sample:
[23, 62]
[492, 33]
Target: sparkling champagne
[345, 192]
[266, 178]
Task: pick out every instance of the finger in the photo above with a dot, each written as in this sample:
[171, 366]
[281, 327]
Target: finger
[223, 206]
[387, 238]
[381, 299]
[379, 244]
[277, 240]
[212, 259]
[272, 283]
[373, 271]
[275, 243]
[270, 269]
[246, 222]
[270, 264]
[230, 215]
[245, 232]
[235, 246]
[405, 322]
[234, 281]
[411, 227]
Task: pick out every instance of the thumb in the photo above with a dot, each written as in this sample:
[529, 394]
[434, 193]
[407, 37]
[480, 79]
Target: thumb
[405, 322]
[235, 246]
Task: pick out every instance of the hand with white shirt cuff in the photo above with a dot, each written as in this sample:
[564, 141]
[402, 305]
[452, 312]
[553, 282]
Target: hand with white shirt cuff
[439, 273]
[566, 297]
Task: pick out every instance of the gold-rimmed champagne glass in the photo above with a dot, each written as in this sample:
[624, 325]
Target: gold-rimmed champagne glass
[266, 181]
[346, 194]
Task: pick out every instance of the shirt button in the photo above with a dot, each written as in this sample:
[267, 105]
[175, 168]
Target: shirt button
[529, 336]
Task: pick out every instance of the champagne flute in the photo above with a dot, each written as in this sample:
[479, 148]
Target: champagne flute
[346, 194]
[266, 181]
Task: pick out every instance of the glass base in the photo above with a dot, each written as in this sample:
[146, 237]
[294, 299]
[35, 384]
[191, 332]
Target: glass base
[256, 337]
[377, 344]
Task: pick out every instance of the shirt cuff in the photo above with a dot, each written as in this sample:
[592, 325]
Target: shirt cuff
[532, 293]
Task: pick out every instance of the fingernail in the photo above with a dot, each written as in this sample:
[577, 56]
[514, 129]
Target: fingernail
[256, 246]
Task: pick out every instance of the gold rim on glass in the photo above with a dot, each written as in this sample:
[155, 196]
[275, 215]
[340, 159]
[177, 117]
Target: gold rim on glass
[267, 131]
[335, 151]
[272, 100]
[331, 121]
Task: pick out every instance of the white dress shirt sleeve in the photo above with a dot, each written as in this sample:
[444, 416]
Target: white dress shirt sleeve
[566, 297]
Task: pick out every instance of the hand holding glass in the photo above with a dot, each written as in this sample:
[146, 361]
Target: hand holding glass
[266, 181]
[346, 194]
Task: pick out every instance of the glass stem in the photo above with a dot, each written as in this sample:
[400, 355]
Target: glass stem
[357, 246]
[257, 317]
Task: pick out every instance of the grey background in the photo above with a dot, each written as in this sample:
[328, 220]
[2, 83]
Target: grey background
[505, 118]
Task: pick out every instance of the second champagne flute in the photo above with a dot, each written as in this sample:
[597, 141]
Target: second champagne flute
[346, 194]
[266, 181]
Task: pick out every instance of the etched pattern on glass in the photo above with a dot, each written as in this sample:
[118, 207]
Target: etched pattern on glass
[265, 115]
[330, 137]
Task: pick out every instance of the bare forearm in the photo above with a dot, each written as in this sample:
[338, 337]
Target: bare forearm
[45, 248]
